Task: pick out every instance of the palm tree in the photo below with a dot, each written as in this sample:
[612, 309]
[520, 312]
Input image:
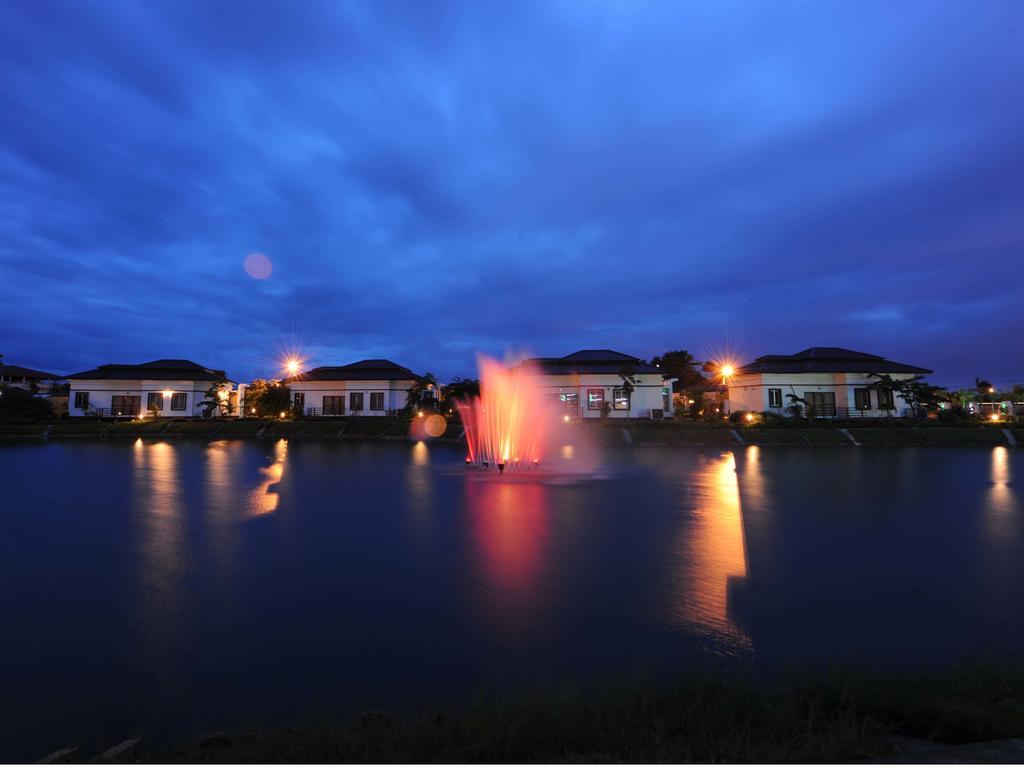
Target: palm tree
[422, 392]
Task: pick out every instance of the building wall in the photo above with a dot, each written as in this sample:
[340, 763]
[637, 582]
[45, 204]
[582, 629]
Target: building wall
[102, 391]
[395, 394]
[750, 392]
[647, 395]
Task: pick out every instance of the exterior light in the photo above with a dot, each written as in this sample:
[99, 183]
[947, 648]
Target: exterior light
[282, 414]
[991, 390]
[168, 393]
[749, 417]
[566, 418]
[727, 371]
[419, 413]
[994, 417]
[223, 394]
[292, 365]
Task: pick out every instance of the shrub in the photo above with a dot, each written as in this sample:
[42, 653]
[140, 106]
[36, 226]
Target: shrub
[21, 405]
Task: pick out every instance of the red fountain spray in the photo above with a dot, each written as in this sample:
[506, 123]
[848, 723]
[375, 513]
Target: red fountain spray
[505, 425]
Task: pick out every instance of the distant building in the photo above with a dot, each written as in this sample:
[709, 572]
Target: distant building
[27, 378]
[164, 387]
[366, 388]
[833, 382]
[584, 382]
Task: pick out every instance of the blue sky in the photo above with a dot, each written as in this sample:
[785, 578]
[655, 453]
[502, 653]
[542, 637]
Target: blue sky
[434, 179]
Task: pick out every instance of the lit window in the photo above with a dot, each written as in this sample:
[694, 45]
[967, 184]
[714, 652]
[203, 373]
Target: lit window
[595, 399]
[179, 401]
[862, 399]
[155, 401]
[620, 399]
[774, 398]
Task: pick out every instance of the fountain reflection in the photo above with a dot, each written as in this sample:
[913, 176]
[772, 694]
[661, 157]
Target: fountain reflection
[712, 552]
[265, 498]
[510, 528]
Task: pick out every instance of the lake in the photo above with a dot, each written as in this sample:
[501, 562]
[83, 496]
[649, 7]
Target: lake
[170, 588]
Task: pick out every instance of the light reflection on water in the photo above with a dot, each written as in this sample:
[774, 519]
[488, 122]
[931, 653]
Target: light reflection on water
[222, 580]
[265, 498]
[711, 551]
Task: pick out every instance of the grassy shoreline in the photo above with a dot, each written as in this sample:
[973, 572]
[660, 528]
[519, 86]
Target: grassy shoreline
[619, 432]
[838, 716]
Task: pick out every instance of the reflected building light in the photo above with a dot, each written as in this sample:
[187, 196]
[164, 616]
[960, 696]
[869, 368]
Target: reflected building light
[712, 551]
[420, 454]
[265, 498]
[568, 452]
[1000, 465]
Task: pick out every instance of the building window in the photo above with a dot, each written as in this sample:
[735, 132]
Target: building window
[774, 398]
[334, 405]
[155, 401]
[862, 399]
[822, 404]
[620, 399]
[595, 399]
[376, 401]
[179, 401]
[569, 399]
[82, 401]
[355, 402]
[885, 399]
[299, 401]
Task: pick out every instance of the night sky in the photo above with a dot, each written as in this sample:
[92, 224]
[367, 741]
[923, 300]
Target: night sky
[430, 179]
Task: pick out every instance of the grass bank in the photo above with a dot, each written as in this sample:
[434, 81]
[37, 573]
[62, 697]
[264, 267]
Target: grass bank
[841, 716]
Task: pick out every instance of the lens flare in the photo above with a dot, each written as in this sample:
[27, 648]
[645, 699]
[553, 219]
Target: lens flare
[258, 266]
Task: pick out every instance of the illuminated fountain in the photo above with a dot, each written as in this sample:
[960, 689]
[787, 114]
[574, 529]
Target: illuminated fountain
[507, 425]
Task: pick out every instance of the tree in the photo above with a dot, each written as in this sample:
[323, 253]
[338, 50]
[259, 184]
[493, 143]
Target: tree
[422, 393]
[798, 406]
[218, 398]
[682, 366]
[17, 404]
[888, 384]
[266, 397]
[59, 388]
[628, 375]
[919, 394]
[459, 390]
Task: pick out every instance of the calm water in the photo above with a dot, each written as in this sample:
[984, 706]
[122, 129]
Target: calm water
[169, 588]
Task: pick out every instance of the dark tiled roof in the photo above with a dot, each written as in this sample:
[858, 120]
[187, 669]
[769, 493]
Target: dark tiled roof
[155, 370]
[591, 361]
[828, 360]
[17, 370]
[364, 370]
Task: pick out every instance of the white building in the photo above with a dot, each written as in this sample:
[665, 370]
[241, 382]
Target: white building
[834, 382]
[161, 387]
[583, 382]
[366, 388]
[27, 378]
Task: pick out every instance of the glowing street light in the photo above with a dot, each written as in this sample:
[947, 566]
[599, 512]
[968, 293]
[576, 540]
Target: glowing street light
[292, 365]
[727, 371]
